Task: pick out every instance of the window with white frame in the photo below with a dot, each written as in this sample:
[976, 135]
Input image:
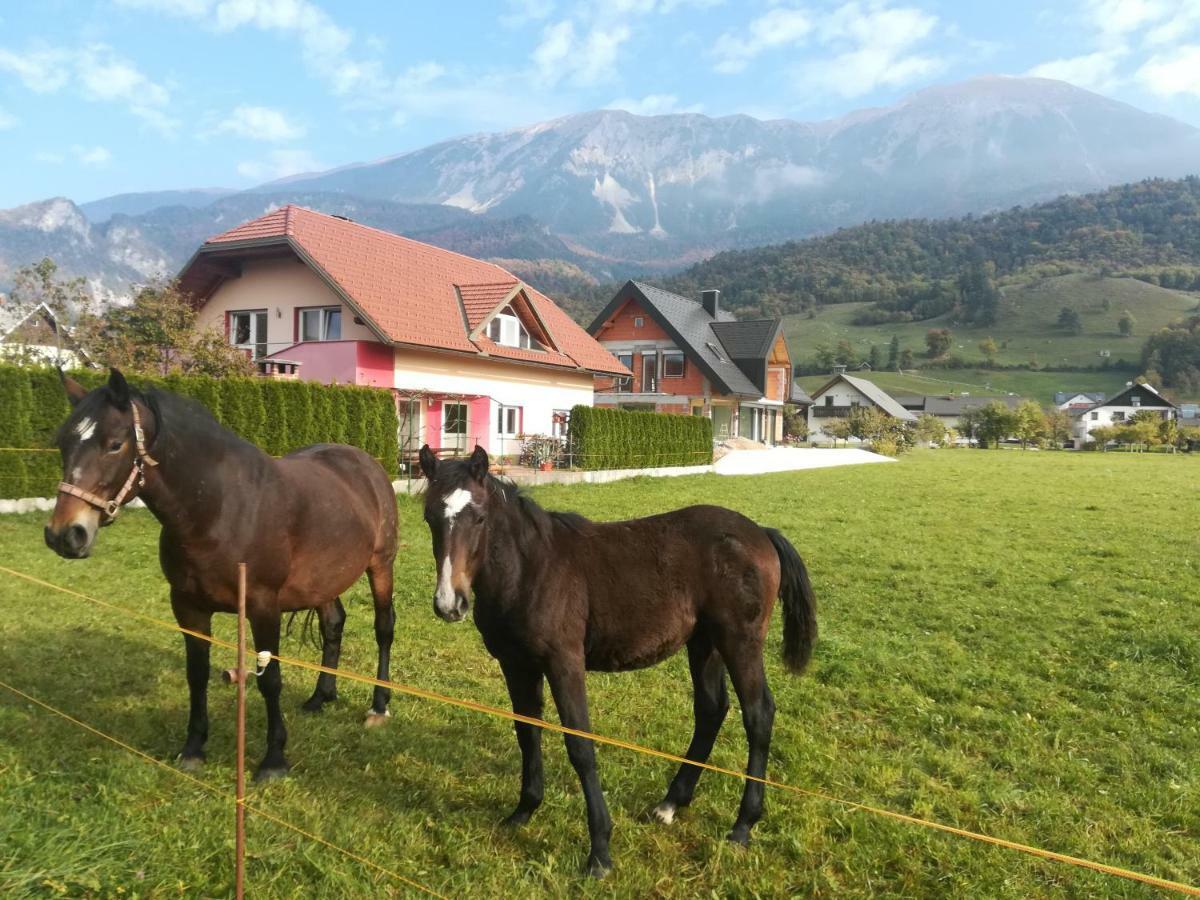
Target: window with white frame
[454, 425]
[1118, 417]
[321, 324]
[559, 421]
[509, 331]
[672, 364]
[248, 330]
[508, 421]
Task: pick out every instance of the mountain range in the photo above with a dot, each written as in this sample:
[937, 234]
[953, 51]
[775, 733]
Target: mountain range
[606, 194]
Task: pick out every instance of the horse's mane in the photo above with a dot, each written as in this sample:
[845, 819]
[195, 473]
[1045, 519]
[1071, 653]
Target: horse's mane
[542, 519]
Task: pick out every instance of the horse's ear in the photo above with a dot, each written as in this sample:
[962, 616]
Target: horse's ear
[75, 390]
[428, 461]
[477, 465]
[118, 389]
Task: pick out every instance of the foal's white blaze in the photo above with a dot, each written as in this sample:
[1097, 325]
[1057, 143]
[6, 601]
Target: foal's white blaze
[446, 601]
[455, 502]
[86, 428]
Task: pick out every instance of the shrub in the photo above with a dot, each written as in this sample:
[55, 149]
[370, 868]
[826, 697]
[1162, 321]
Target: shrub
[279, 416]
[617, 439]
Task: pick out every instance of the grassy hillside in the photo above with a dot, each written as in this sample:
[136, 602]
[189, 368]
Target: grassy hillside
[1026, 323]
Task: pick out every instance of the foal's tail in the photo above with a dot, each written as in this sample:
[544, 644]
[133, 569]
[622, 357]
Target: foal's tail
[799, 604]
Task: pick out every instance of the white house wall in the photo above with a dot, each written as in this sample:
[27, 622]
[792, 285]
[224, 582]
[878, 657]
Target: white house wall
[537, 391]
[843, 394]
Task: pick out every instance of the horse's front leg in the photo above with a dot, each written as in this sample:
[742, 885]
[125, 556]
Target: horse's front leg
[270, 684]
[569, 687]
[197, 649]
[525, 689]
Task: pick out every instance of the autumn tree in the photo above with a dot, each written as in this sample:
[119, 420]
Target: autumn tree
[1126, 324]
[930, 429]
[1029, 424]
[1058, 426]
[937, 342]
[157, 334]
[989, 350]
[996, 422]
[838, 429]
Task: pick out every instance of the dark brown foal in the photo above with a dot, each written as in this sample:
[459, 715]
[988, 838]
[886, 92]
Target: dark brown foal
[557, 595]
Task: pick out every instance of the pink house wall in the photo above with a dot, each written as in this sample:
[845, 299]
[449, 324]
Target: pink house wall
[479, 416]
[376, 365]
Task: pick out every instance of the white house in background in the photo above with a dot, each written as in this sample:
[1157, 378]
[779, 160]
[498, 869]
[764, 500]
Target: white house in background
[39, 335]
[1119, 409]
[841, 394]
[473, 355]
[1071, 401]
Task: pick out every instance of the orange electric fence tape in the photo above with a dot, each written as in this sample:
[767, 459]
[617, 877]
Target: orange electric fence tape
[212, 789]
[423, 694]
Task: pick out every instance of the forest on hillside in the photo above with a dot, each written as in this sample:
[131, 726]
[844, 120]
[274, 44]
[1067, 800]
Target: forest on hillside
[919, 268]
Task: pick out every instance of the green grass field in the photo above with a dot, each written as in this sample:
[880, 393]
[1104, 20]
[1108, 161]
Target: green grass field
[1010, 642]
[1027, 324]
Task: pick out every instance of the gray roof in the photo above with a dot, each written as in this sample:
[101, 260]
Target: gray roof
[952, 406]
[799, 394]
[1145, 390]
[692, 329]
[749, 339]
[874, 393]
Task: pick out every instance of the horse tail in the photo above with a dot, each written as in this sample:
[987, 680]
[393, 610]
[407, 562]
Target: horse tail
[310, 635]
[799, 604]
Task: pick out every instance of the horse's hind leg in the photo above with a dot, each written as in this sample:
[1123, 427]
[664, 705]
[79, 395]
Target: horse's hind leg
[710, 703]
[332, 619]
[379, 574]
[744, 659]
[270, 685]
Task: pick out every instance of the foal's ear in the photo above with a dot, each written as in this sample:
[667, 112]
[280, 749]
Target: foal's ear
[118, 389]
[75, 390]
[477, 465]
[428, 461]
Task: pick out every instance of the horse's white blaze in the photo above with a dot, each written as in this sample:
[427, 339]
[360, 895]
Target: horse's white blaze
[86, 428]
[455, 502]
[446, 602]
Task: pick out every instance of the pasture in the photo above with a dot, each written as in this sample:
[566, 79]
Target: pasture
[1010, 642]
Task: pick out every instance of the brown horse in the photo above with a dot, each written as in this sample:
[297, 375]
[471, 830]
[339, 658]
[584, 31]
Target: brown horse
[307, 526]
[557, 595]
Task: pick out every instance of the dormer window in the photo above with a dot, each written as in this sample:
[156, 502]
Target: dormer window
[508, 331]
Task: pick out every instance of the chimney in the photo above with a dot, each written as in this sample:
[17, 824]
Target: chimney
[711, 301]
[839, 370]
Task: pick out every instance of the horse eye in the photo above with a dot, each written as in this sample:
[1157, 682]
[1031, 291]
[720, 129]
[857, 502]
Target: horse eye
[114, 446]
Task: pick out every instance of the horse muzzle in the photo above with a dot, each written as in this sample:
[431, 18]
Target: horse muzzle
[72, 542]
[452, 612]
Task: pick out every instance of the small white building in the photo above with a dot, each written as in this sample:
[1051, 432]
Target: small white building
[840, 395]
[1119, 409]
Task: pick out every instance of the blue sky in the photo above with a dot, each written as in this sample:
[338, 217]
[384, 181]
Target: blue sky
[110, 96]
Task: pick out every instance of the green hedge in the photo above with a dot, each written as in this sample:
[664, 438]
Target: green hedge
[617, 439]
[279, 416]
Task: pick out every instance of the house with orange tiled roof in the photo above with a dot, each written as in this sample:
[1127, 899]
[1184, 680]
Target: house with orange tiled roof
[474, 355]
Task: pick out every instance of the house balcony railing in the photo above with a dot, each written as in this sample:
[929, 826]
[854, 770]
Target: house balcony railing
[831, 412]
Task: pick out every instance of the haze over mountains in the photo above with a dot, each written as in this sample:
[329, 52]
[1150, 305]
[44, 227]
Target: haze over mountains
[608, 194]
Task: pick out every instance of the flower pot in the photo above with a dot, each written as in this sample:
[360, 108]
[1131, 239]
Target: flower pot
[546, 466]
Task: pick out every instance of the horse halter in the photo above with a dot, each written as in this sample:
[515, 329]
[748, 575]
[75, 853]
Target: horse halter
[110, 508]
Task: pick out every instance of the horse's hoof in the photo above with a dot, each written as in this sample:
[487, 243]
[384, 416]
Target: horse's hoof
[739, 836]
[313, 704]
[191, 763]
[517, 818]
[375, 719]
[598, 868]
[664, 813]
[271, 773]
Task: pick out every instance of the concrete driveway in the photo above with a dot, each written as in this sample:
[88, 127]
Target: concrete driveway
[789, 459]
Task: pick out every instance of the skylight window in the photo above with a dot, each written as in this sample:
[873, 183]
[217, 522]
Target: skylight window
[715, 352]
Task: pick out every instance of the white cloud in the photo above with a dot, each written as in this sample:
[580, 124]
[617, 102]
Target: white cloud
[875, 46]
[522, 12]
[280, 164]
[7, 121]
[97, 156]
[563, 55]
[42, 69]
[260, 123]
[104, 76]
[654, 105]
[1173, 73]
[1115, 19]
[774, 29]
[1097, 71]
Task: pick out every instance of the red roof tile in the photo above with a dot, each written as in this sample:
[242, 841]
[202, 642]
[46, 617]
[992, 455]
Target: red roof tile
[480, 299]
[408, 289]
